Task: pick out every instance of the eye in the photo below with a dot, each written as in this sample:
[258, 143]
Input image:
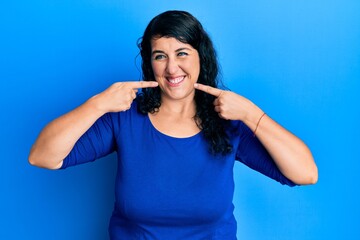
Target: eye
[181, 54]
[159, 57]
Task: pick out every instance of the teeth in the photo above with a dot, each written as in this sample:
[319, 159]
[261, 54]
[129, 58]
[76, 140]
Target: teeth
[176, 80]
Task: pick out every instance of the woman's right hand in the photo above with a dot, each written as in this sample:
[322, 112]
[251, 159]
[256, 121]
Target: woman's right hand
[119, 96]
[57, 139]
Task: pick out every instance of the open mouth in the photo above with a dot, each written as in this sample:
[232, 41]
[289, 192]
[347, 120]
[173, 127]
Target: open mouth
[175, 81]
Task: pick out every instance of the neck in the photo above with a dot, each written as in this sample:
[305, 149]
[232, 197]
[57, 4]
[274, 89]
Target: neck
[185, 107]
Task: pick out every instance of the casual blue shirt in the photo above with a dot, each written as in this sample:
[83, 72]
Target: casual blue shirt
[168, 187]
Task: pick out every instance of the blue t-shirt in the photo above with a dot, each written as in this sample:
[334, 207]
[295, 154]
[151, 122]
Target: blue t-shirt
[167, 187]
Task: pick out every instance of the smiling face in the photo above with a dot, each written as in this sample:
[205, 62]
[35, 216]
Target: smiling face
[176, 67]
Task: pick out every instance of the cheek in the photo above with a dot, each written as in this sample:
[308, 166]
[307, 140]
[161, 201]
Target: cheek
[157, 69]
[195, 66]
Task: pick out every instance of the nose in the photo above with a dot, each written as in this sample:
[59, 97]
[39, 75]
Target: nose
[172, 66]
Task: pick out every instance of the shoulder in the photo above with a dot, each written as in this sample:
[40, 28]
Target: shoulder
[117, 119]
[235, 126]
[134, 110]
[237, 129]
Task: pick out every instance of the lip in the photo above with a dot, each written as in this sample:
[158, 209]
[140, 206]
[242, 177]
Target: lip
[175, 81]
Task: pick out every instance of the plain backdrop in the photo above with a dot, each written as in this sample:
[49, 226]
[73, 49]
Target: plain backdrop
[298, 60]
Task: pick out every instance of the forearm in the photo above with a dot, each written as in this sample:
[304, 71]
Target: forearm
[290, 154]
[58, 138]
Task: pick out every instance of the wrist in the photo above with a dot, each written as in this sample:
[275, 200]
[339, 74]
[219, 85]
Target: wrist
[96, 106]
[253, 118]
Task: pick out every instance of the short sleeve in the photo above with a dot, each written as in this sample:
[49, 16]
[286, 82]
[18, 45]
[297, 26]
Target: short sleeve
[253, 154]
[96, 142]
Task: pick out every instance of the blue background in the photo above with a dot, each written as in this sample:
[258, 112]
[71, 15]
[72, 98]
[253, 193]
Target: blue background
[298, 60]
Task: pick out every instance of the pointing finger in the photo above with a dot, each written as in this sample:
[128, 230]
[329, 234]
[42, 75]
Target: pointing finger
[143, 84]
[208, 89]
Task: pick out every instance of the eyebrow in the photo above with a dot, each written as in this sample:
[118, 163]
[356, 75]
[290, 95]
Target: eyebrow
[177, 50]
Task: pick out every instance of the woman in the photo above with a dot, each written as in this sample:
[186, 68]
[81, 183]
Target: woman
[177, 142]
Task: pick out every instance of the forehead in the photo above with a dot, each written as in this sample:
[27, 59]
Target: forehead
[168, 44]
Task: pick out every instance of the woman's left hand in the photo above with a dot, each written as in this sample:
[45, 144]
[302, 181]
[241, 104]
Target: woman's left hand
[290, 154]
[229, 105]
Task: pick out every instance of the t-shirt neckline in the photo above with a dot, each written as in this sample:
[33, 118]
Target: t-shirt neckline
[169, 136]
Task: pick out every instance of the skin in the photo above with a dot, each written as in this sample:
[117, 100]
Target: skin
[172, 60]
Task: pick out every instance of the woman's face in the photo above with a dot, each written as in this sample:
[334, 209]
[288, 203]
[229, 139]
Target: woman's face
[176, 67]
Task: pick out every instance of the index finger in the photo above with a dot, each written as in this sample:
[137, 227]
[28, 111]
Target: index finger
[208, 89]
[143, 84]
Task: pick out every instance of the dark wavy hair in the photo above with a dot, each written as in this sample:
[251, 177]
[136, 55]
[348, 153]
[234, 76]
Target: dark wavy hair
[187, 29]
